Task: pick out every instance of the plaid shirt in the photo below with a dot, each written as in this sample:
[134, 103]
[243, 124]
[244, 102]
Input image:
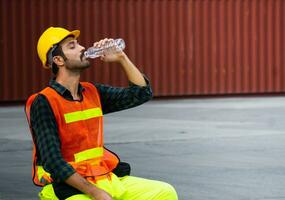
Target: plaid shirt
[44, 125]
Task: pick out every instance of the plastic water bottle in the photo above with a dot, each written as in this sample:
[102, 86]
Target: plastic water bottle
[109, 48]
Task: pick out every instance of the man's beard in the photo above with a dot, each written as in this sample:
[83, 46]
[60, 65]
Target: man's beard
[75, 65]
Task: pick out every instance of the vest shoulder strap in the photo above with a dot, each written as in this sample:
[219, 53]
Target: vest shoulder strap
[89, 86]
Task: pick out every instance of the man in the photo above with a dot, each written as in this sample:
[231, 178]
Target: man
[70, 161]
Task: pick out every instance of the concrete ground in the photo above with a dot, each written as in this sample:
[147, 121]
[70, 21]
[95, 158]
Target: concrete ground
[218, 148]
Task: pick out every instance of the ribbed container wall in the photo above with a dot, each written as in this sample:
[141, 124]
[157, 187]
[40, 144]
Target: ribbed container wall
[185, 47]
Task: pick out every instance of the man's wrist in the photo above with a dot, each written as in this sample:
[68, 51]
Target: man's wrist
[123, 58]
[92, 191]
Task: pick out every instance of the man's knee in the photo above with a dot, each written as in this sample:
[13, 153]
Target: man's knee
[169, 193]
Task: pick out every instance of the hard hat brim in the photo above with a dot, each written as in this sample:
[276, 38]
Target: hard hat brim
[75, 33]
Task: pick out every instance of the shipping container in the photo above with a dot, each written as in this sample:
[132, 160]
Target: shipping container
[185, 47]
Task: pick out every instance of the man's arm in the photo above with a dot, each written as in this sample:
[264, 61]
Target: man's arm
[77, 181]
[132, 72]
[113, 98]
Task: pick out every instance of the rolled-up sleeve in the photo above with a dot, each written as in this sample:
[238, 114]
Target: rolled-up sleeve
[45, 134]
[116, 98]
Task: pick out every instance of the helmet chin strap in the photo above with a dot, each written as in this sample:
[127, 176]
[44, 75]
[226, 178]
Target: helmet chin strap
[55, 51]
[50, 56]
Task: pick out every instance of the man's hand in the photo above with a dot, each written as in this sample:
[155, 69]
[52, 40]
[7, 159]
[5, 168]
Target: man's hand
[113, 54]
[99, 194]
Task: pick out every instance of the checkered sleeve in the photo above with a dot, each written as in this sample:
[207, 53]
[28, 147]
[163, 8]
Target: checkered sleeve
[115, 98]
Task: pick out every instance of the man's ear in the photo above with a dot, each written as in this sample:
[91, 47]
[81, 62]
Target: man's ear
[58, 60]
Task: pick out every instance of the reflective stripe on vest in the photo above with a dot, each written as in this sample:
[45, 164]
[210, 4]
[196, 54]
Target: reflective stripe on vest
[89, 154]
[82, 115]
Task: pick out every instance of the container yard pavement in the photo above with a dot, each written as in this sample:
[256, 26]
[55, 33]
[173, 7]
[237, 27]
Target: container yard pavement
[217, 148]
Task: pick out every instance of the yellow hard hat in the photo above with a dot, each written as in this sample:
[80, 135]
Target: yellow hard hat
[51, 37]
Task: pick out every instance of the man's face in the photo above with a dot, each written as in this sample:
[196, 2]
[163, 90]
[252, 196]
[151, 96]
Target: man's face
[73, 51]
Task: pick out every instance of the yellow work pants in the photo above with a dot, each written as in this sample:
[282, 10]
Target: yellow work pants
[124, 188]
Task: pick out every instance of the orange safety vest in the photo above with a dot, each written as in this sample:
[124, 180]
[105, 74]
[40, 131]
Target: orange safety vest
[80, 129]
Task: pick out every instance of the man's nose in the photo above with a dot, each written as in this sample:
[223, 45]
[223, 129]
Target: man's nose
[82, 47]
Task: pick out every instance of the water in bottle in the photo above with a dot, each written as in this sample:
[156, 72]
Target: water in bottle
[108, 48]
